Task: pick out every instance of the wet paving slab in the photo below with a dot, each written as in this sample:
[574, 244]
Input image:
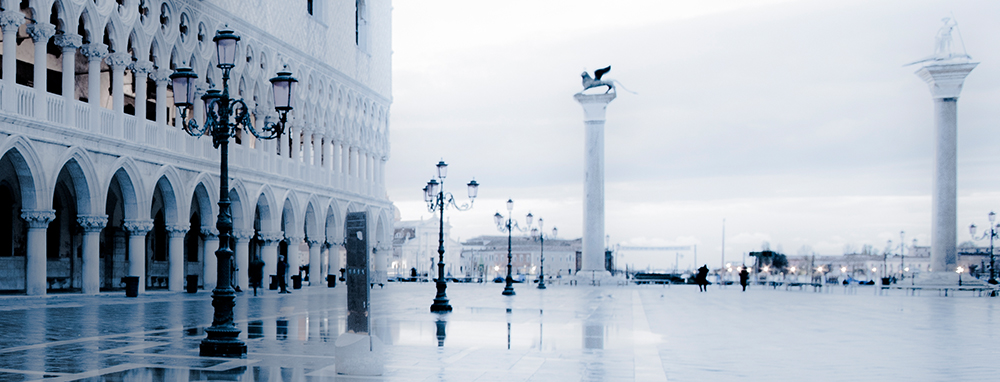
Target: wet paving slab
[564, 333]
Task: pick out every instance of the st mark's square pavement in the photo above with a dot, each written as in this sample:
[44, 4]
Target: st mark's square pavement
[564, 333]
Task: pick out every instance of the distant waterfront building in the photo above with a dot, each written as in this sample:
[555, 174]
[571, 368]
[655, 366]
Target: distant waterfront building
[415, 246]
[99, 182]
[486, 256]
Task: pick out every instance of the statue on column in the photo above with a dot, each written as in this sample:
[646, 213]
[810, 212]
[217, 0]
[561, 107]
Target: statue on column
[943, 45]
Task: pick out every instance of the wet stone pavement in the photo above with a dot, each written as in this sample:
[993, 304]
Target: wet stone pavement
[564, 333]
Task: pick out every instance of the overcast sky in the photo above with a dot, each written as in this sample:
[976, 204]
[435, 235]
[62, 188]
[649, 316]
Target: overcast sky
[795, 121]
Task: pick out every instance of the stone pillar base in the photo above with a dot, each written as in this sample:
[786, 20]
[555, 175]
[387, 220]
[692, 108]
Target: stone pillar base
[596, 278]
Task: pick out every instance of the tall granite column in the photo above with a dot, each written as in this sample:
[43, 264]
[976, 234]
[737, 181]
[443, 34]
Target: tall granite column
[269, 253]
[315, 278]
[92, 226]
[594, 107]
[35, 272]
[137, 230]
[945, 82]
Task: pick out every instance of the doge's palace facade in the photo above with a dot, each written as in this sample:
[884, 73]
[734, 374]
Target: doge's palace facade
[99, 182]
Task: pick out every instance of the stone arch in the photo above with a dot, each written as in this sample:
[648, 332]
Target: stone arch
[80, 169]
[28, 170]
[267, 208]
[131, 186]
[242, 216]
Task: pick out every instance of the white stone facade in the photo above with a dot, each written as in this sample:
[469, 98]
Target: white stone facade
[94, 168]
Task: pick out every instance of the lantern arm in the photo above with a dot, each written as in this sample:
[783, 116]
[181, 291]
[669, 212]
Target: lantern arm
[450, 199]
[268, 130]
[191, 125]
[511, 225]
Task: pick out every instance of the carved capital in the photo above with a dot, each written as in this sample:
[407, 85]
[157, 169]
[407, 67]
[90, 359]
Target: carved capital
[41, 32]
[119, 60]
[94, 51]
[138, 227]
[945, 81]
[161, 76]
[68, 41]
[178, 230]
[312, 242]
[141, 67]
[38, 218]
[209, 233]
[92, 223]
[271, 236]
[10, 21]
[243, 234]
[294, 239]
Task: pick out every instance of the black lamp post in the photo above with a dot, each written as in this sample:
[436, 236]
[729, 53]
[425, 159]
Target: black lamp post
[509, 226]
[992, 233]
[539, 233]
[224, 116]
[437, 200]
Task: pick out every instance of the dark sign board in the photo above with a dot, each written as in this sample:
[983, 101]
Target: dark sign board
[357, 272]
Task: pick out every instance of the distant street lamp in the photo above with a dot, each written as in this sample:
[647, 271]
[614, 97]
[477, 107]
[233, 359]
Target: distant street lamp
[539, 234]
[437, 199]
[992, 233]
[509, 226]
[226, 116]
[959, 270]
[902, 254]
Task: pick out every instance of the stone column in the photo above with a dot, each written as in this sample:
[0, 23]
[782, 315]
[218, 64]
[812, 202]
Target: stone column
[294, 135]
[319, 149]
[140, 71]
[118, 61]
[40, 34]
[95, 52]
[333, 262]
[10, 21]
[92, 226]
[69, 42]
[594, 107]
[945, 82]
[162, 78]
[38, 222]
[315, 266]
[137, 230]
[242, 253]
[269, 254]
[175, 275]
[210, 240]
[309, 149]
[294, 256]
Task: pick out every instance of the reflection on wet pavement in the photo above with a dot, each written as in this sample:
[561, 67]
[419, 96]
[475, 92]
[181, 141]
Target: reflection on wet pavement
[562, 333]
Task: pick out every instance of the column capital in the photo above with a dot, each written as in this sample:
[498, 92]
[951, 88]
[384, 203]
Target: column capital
[92, 223]
[94, 51]
[68, 41]
[178, 230]
[41, 32]
[271, 236]
[11, 20]
[594, 105]
[209, 233]
[945, 81]
[141, 66]
[138, 226]
[312, 242]
[161, 76]
[38, 218]
[294, 239]
[119, 60]
[243, 234]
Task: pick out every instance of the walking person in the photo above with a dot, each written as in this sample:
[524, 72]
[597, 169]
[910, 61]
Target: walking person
[702, 278]
[744, 277]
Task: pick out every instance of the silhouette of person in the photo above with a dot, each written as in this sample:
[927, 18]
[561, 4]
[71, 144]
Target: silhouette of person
[744, 277]
[282, 272]
[702, 278]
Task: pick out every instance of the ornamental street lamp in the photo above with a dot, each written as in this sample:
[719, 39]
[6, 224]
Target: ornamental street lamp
[539, 234]
[437, 200]
[992, 233]
[509, 226]
[224, 117]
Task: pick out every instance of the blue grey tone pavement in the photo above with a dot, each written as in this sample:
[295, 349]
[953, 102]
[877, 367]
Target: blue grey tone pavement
[564, 333]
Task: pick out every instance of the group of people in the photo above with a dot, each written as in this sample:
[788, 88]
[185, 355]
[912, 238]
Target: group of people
[702, 278]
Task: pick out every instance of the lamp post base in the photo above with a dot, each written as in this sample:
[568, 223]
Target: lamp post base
[222, 342]
[441, 300]
[508, 290]
[541, 284]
